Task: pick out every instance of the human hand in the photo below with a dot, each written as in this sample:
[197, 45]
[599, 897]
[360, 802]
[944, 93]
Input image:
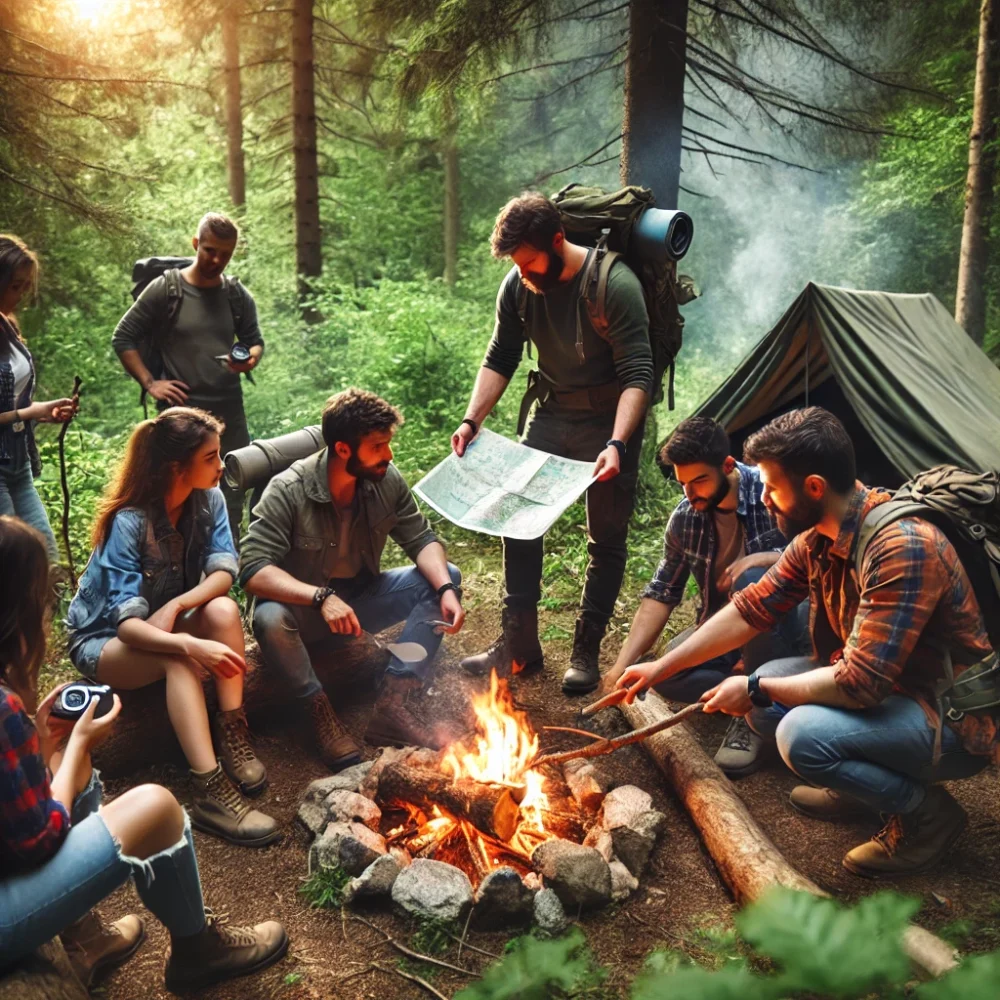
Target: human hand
[238, 367]
[93, 732]
[340, 617]
[462, 438]
[639, 677]
[52, 731]
[216, 657]
[608, 464]
[54, 411]
[734, 571]
[168, 391]
[452, 611]
[729, 697]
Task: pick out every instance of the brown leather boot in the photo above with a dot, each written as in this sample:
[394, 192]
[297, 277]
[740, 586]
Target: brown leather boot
[913, 842]
[584, 673]
[398, 720]
[218, 808]
[516, 651]
[93, 946]
[337, 747]
[827, 805]
[232, 740]
[222, 952]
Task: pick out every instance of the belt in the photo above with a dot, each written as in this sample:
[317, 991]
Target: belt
[597, 399]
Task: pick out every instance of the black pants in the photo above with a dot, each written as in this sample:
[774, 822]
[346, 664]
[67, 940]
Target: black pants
[581, 435]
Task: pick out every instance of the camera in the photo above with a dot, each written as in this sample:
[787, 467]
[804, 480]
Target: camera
[74, 699]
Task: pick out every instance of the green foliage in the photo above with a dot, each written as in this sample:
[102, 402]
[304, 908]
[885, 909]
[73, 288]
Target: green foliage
[434, 937]
[324, 888]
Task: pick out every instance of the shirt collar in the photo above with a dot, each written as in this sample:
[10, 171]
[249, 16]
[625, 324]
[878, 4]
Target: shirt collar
[746, 489]
[856, 507]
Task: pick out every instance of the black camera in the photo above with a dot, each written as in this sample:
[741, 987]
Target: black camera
[239, 354]
[74, 699]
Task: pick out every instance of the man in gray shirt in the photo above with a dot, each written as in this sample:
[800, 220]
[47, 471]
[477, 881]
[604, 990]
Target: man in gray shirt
[592, 391]
[185, 362]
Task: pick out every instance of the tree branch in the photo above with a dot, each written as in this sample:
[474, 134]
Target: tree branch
[582, 163]
[550, 65]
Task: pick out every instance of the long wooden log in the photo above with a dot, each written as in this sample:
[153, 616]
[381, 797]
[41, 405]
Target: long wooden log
[143, 735]
[747, 859]
[493, 809]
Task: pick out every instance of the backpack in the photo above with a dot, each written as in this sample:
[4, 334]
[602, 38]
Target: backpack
[147, 270]
[966, 507]
[609, 223]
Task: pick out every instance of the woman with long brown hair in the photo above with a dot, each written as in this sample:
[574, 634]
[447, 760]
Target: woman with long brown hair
[154, 604]
[61, 850]
[19, 462]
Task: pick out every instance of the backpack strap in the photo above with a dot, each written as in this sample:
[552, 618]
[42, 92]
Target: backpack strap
[172, 306]
[593, 292]
[522, 314]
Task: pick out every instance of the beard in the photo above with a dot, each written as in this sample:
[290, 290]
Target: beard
[372, 473]
[541, 283]
[803, 515]
[707, 505]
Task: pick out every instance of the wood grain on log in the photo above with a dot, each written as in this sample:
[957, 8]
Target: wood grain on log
[747, 859]
[45, 975]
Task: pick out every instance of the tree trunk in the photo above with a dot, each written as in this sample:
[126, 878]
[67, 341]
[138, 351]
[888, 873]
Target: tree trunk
[452, 208]
[654, 97]
[45, 975]
[970, 296]
[308, 251]
[234, 105]
[747, 860]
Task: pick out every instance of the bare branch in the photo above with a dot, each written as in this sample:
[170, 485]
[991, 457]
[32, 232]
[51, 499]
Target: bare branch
[745, 149]
[265, 95]
[582, 163]
[152, 82]
[558, 62]
[569, 83]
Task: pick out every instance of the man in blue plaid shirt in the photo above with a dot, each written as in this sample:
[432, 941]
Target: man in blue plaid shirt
[721, 534]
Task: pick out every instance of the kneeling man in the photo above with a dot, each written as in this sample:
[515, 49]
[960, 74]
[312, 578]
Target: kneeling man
[312, 560]
[860, 721]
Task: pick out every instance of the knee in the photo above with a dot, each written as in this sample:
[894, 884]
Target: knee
[800, 742]
[222, 614]
[747, 577]
[272, 620]
[160, 820]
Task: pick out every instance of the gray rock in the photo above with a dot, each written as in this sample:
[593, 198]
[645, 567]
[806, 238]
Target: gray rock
[503, 899]
[403, 857]
[348, 780]
[351, 846]
[623, 883]
[634, 844]
[376, 880]
[623, 805]
[432, 890]
[343, 806]
[600, 840]
[578, 874]
[550, 917]
[312, 817]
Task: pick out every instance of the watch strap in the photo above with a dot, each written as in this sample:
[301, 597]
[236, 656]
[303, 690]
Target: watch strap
[619, 445]
[472, 424]
[445, 587]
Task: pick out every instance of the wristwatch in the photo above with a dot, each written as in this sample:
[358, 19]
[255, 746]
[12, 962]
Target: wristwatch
[472, 424]
[754, 693]
[445, 587]
[620, 445]
[322, 593]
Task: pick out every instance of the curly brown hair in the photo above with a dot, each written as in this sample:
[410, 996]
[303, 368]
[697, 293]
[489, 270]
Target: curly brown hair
[530, 218]
[697, 439]
[353, 413]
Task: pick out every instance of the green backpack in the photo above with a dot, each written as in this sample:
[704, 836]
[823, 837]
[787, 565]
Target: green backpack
[608, 221]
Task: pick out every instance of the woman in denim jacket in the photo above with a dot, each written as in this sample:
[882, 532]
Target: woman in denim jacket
[153, 603]
[19, 463]
[62, 850]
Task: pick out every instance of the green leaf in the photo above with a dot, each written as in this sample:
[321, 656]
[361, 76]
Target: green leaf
[694, 983]
[975, 979]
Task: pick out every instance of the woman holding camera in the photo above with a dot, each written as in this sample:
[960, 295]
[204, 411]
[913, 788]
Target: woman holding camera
[153, 604]
[19, 463]
[61, 850]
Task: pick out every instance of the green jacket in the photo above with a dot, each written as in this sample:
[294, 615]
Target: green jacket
[296, 525]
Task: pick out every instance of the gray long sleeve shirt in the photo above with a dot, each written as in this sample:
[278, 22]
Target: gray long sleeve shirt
[550, 324]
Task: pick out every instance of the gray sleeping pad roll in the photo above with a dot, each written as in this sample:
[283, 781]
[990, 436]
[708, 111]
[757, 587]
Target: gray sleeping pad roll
[252, 467]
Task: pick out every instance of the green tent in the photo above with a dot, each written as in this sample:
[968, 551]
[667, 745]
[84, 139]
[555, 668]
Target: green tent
[912, 388]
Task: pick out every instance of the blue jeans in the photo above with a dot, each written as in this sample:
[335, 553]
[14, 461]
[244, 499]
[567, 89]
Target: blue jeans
[790, 637]
[36, 905]
[19, 498]
[882, 756]
[398, 594]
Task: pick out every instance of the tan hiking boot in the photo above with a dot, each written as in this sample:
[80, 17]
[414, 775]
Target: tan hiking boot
[218, 808]
[222, 952]
[397, 721]
[93, 946]
[337, 747]
[913, 842]
[827, 805]
[232, 739]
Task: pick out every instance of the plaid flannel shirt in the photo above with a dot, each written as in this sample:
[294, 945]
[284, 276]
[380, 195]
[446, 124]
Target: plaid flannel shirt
[885, 630]
[689, 544]
[32, 823]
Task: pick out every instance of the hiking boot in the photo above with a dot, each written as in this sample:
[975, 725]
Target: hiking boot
[515, 652]
[584, 673]
[398, 722]
[222, 952]
[913, 842]
[232, 738]
[337, 747]
[93, 946]
[826, 804]
[742, 751]
[218, 808]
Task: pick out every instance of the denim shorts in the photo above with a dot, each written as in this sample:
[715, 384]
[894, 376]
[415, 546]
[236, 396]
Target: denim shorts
[85, 652]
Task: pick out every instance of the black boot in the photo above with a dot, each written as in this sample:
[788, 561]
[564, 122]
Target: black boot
[515, 651]
[584, 673]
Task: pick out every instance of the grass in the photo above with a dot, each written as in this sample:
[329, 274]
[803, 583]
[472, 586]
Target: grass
[324, 889]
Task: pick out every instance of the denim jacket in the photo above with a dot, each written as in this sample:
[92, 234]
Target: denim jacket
[146, 562]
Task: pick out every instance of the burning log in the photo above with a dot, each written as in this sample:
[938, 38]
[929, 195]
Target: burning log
[494, 809]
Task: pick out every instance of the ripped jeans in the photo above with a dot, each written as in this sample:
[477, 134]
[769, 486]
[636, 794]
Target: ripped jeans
[36, 905]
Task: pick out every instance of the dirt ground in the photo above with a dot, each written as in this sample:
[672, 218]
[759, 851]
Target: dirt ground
[331, 954]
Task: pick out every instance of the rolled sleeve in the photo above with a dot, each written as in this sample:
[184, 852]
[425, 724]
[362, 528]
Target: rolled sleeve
[783, 587]
[506, 346]
[120, 558]
[412, 531]
[220, 553]
[269, 538]
[671, 575]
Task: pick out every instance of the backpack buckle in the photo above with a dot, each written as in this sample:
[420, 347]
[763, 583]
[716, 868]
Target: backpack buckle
[954, 715]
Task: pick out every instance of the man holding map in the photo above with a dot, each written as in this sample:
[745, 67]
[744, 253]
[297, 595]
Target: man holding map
[591, 393]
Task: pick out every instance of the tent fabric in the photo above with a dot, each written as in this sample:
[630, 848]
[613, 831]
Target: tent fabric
[913, 379]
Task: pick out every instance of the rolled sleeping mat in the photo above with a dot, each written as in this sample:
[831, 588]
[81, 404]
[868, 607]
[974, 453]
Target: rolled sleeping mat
[663, 234]
[255, 465]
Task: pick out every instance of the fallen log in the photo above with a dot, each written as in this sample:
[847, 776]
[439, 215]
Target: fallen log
[745, 856]
[44, 975]
[143, 736]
